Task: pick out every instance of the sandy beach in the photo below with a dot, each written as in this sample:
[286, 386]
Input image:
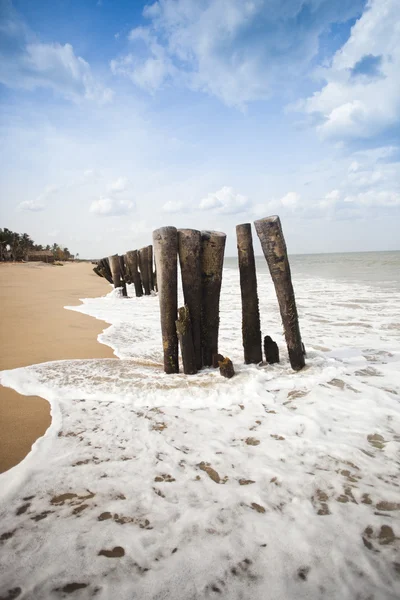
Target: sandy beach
[36, 328]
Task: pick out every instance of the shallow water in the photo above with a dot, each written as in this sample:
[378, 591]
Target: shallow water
[271, 485]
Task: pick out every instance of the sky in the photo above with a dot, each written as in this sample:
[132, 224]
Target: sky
[118, 117]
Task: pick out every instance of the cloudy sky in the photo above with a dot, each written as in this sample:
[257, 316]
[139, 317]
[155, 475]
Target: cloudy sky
[118, 117]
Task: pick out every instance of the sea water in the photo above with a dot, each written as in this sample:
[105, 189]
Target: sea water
[271, 485]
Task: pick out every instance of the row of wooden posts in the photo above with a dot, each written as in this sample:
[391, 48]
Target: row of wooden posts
[136, 267]
[195, 325]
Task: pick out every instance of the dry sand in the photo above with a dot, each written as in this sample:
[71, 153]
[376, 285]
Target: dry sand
[36, 328]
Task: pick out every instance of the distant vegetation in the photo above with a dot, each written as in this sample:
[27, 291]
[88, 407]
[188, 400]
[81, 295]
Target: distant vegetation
[19, 246]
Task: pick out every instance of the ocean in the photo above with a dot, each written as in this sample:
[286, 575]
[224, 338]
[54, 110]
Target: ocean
[271, 485]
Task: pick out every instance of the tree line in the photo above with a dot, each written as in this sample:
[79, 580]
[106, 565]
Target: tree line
[16, 246]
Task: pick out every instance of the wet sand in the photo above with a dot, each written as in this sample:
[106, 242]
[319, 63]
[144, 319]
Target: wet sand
[36, 328]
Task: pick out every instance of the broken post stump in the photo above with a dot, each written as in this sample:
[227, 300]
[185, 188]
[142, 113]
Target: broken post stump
[212, 260]
[115, 266]
[132, 264]
[143, 254]
[217, 358]
[165, 244]
[185, 337]
[271, 350]
[226, 368]
[269, 230]
[189, 248]
[251, 328]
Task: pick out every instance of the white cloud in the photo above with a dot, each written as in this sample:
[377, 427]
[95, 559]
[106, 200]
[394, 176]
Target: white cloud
[29, 64]
[31, 205]
[225, 201]
[384, 198]
[236, 50]
[366, 104]
[108, 207]
[119, 185]
[173, 207]
[290, 200]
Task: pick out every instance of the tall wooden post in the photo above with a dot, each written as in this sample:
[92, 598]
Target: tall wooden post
[115, 266]
[185, 337]
[189, 247]
[132, 263]
[165, 243]
[150, 264]
[212, 260]
[269, 230]
[143, 254]
[251, 329]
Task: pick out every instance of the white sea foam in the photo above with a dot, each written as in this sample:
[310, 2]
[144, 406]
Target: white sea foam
[271, 485]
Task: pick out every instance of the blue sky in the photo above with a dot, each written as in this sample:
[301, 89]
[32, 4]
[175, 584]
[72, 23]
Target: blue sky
[119, 117]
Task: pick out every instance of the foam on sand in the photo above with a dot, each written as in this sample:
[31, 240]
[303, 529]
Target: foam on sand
[271, 485]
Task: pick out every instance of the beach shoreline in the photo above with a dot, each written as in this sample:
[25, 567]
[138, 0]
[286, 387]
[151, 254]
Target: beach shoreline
[36, 328]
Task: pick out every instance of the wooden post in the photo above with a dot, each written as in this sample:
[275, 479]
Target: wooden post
[212, 260]
[226, 368]
[251, 329]
[128, 277]
[269, 230]
[150, 264]
[143, 254]
[165, 244]
[104, 266]
[271, 350]
[189, 247]
[115, 266]
[132, 263]
[185, 337]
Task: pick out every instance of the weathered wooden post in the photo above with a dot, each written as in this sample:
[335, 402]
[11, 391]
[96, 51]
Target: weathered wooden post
[185, 337]
[189, 247]
[251, 329]
[128, 276]
[212, 260]
[104, 267]
[123, 270]
[269, 230]
[165, 243]
[132, 263]
[150, 265]
[115, 266]
[143, 254]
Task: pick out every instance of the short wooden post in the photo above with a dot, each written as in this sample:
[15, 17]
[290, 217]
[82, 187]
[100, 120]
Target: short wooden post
[269, 230]
[226, 368]
[185, 337]
[251, 329]
[115, 266]
[165, 244]
[150, 266]
[132, 263]
[143, 254]
[271, 350]
[189, 247]
[212, 260]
